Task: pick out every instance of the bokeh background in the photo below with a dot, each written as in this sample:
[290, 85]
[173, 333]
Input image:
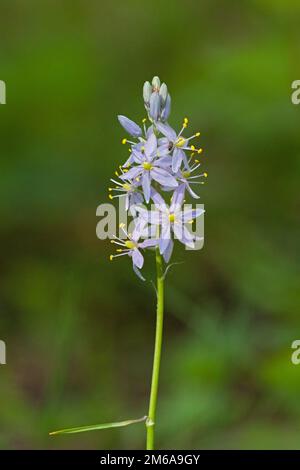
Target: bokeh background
[79, 330]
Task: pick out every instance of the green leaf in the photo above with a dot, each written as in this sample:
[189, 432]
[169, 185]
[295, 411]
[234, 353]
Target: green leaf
[96, 427]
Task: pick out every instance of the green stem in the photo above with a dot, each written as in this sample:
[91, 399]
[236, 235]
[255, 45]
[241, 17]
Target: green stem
[150, 423]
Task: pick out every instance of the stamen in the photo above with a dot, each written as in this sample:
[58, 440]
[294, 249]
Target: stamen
[180, 142]
[147, 166]
[122, 227]
[130, 244]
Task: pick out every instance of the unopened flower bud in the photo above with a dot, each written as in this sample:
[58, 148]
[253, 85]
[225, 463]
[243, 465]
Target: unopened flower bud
[147, 90]
[167, 109]
[131, 127]
[156, 83]
[163, 92]
[155, 106]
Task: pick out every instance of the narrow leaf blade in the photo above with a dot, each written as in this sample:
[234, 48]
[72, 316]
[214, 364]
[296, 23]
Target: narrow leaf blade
[96, 427]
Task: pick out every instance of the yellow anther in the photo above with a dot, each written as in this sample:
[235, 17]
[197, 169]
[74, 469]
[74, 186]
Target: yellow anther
[186, 174]
[199, 151]
[193, 147]
[186, 120]
[126, 186]
[192, 154]
[197, 161]
[119, 250]
[129, 150]
[147, 166]
[137, 179]
[130, 244]
[197, 134]
[171, 217]
[116, 173]
[110, 189]
[180, 142]
[205, 175]
[110, 196]
[144, 120]
[142, 149]
[111, 258]
[125, 170]
[184, 125]
[124, 141]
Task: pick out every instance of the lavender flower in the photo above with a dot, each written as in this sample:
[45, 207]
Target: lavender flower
[177, 143]
[171, 219]
[161, 160]
[187, 178]
[130, 190]
[157, 100]
[149, 167]
[131, 127]
[131, 246]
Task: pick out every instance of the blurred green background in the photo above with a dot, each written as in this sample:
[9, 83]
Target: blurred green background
[79, 330]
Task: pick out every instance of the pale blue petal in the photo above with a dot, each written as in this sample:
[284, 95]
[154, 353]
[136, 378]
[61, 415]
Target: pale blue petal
[144, 213]
[137, 156]
[178, 156]
[167, 109]
[149, 243]
[131, 127]
[168, 251]
[137, 258]
[149, 131]
[163, 149]
[183, 235]
[137, 272]
[158, 200]
[155, 102]
[150, 146]
[164, 162]
[192, 214]
[146, 184]
[177, 197]
[132, 173]
[139, 226]
[128, 162]
[192, 193]
[163, 177]
[167, 131]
